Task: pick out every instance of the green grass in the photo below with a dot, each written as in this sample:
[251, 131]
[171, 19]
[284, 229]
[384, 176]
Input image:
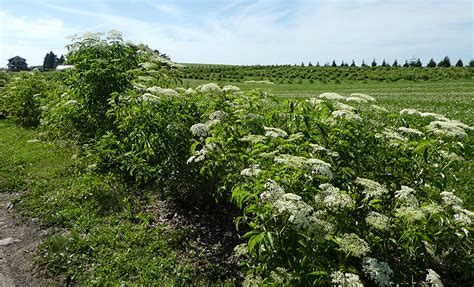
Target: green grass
[100, 230]
[455, 99]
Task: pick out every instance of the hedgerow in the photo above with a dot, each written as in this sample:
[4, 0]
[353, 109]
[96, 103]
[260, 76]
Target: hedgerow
[333, 189]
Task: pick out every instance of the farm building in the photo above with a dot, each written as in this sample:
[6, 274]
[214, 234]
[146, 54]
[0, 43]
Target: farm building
[17, 63]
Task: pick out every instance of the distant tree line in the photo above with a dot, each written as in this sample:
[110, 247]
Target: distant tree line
[51, 61]
[414, 62]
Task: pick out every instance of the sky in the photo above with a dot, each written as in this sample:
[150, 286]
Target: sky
[248, 32]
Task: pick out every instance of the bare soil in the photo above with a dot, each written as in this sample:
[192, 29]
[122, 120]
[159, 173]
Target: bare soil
[19, 239]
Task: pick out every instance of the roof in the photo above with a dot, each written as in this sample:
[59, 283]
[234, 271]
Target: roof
[16, 58]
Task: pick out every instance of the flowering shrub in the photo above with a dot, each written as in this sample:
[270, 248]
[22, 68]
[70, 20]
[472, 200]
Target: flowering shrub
[339, 194]
[103, 66]
[21, 98]
[333, 189]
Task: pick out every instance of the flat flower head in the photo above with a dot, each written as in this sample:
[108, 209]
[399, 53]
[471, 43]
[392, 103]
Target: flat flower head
[331, 96]
[210, 88]
[378, 271]
[378, 221]
[340, 279]
[364, 96]
[353, 244]
[200, 130]
[275, 132]
[371, 188]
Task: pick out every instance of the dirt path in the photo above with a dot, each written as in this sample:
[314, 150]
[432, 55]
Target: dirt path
[18, 241]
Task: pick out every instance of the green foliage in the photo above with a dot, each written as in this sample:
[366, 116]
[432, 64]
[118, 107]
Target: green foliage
[445, 62]
[325, 187]
[102, 67]
[22, 98]
[431, 63]
[50, 61]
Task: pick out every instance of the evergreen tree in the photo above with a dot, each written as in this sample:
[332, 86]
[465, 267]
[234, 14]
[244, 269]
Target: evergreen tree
[50, 61]
[342, 64]
[334, 63]
[446, 62]
[459, 63]
[317, 64]
[309, 64]
[431, 64]
[363, 64]
[61, 60]
[353, 64]
[302, 64]
[418, 63]
[406, 64]
[395, 64]
[384, 64]
[374, 64]
[471, 63]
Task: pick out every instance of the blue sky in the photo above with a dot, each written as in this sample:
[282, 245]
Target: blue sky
[248, 31]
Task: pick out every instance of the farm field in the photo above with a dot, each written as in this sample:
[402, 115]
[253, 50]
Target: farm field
[453, 98]
[142, 177]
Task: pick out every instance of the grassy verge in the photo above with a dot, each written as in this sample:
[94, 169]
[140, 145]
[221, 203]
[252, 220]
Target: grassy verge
[99, 231]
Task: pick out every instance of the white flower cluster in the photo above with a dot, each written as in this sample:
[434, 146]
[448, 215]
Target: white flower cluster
[433, 278]
[316, 166]
[300, 214]
[462, 216]
[218, 115]
[378, 271]
[314, 101]
[410, 131]
[342, 106]
[379, 108]
[356, 99]
[272, 192]
[275, 133]
[230, 88]
[451, 156]
[371, 188]
[410, 213]
[431, 209]
[353, 244]
[378, 221]
[409, 112]
[393, 136]
[331, 96]
[159, 91]
[364, 96]
[252, 171]
[190, 92]
[450, 199]
[433, 115]
[200, 130]
[70, 102]
[198, 156]
[295, 137]
[148, 97]
[332, 198]
[340, 279]
[406, 196]
[346, 114]
[448, 128]
[210, 88]
[253, 138]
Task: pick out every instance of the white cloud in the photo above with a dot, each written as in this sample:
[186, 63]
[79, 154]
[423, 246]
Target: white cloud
[167, 8]
[269, 32]
[30, 38]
